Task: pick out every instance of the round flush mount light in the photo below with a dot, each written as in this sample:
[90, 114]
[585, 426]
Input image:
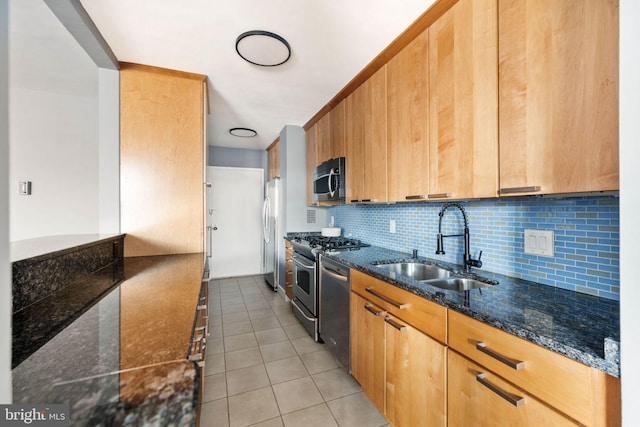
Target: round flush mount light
[243, 132]
[263, 48]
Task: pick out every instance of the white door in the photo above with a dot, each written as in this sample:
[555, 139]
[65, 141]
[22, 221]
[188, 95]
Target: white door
[234, 221]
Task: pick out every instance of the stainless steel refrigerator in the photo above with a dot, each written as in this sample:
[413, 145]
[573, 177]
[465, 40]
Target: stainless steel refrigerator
[271, 227]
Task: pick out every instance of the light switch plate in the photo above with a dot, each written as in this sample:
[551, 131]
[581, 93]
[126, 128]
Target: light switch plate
[538, 242]
[392, 226]
[24, 188]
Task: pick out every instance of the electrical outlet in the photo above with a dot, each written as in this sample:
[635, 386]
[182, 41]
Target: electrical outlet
[392, 226]
[538, 242]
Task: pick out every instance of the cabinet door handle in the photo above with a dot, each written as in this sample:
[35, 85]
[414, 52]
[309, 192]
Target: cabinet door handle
[416, 197]
[514, 364]
[516, 401]
[370, 309]
[387, 299]
[396, 325]
[440, 196]
[530, 189]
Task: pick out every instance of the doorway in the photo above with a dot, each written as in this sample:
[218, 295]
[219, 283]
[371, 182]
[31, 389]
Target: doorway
[234, 221]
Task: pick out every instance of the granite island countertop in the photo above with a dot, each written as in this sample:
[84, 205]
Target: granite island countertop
[124, 360]
[582, 327]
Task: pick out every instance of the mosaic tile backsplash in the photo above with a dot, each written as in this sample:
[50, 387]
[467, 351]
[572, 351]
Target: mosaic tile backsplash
[586, 236]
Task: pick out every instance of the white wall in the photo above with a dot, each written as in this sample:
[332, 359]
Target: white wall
[629, 209]
[54, 144]
[5, 277]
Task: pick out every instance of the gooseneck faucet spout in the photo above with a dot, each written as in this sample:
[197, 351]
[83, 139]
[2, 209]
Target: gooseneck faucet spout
[468, 260]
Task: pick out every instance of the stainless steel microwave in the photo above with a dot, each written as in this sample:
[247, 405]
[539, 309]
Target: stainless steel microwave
[329, 180]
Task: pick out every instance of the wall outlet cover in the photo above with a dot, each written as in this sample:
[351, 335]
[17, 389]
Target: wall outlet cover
[538, 242]
[392, 226]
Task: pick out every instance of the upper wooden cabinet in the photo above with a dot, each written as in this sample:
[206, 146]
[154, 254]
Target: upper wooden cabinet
[161, 160]
[311, 162]
[558, 96]
[323, 139]
[366, 142]
[463, 78]
[337, 130]
[408, 122]
[273, 159]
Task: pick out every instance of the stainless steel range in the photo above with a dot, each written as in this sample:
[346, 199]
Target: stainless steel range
[306, 253]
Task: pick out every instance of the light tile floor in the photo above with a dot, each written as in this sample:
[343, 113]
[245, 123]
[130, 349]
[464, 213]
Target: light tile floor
[263, 369]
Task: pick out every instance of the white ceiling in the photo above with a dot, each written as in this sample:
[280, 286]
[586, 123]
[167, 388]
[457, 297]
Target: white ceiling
[331, 42]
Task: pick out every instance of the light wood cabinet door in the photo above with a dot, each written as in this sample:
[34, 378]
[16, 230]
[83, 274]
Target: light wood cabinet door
[415, 377]
[463, 76]
[323, 139]
[366, 141]
[368, 349]
[161, 160]
[492, 402]
[273, 160]
[311, 161]
[337, 131]
[558, 96]
[408, 122]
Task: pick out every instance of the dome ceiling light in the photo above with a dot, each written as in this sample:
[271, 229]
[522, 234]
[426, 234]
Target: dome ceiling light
[263, 48]
[243, 132]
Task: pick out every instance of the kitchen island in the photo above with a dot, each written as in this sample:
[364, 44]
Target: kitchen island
[124, 360]
[582, 327]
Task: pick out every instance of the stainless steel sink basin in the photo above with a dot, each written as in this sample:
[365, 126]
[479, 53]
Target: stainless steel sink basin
[416, 270]
[457, 284]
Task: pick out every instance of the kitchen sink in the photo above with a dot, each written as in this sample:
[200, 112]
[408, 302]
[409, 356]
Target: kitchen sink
[457, 283]
[416, 270]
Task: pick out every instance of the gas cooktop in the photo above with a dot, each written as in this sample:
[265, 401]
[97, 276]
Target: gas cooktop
[330, 243]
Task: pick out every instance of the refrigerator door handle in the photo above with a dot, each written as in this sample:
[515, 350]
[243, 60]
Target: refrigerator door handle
[265, 220]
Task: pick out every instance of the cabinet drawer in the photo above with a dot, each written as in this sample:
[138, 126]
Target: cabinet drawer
[565, 384]
[478, 397]
[427, 316]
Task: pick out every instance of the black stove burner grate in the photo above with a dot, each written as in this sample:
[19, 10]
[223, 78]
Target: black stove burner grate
[330, 243]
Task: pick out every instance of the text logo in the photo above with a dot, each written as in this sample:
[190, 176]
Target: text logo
[41, 415]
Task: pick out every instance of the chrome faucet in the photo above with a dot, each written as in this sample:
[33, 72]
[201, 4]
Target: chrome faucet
[468, 261]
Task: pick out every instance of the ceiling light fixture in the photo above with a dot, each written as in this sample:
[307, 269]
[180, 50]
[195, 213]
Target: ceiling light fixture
[243, 132]
[263, 48]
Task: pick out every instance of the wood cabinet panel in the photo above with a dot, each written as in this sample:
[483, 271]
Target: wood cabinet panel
[337, 130]
[311, 157]
[323, 139]
[426, 316]
[463, 54]
[273, 160]
[558, 95]
[367, 349]
[408, 121]
[472, 404]
[555, 379]
[366, 141]
[161, 160]
[415, 377]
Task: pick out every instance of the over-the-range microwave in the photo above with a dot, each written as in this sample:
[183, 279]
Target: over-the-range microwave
[329, 180]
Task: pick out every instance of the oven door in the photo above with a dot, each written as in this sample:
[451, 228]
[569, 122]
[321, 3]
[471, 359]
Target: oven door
[304, 282]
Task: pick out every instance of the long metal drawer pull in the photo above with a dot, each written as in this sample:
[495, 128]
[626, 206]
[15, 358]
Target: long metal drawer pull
[515, 364]
[439, 195]
[387, 299]
[530, 189]
[396, 325]
[516, 401]
[311, 319]
[370, 309]
[416, 197]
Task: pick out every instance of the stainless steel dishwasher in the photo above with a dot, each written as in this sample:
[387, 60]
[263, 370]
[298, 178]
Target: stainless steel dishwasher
[334, 319]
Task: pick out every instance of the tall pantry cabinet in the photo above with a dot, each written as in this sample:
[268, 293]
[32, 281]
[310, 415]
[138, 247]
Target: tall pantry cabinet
[162, 160]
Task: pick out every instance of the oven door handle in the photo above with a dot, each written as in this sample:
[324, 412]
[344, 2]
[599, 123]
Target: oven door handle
[311, 319]
[298, 260]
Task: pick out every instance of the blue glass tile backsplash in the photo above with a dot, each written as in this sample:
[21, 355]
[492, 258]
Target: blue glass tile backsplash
[586, 236]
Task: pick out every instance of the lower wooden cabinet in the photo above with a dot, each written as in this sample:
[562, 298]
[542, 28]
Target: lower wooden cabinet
[478, 397]
[401, 369]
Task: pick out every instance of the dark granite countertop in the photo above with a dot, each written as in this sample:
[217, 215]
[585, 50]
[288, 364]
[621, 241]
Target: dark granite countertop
[51, 246]
[582, 327]
[124, 360]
